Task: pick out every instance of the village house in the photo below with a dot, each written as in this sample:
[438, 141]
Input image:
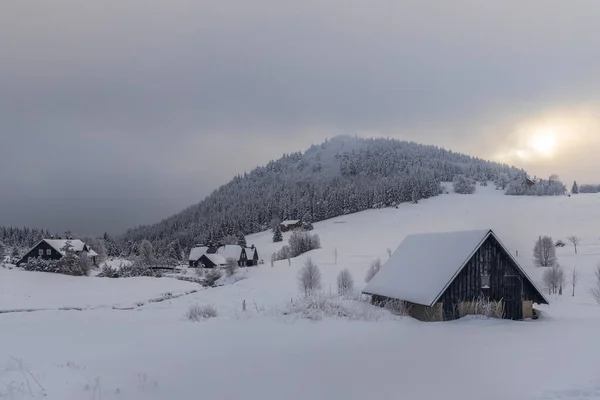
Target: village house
[55, 249]
[290, 225]
[440, 276]
[210, 256]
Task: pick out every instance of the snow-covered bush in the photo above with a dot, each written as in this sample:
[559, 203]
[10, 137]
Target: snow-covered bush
[284, 253]
[544, 252]
[198, 313]
[211, 277]
[319, 306]
[345, 283]
[373, 270]
[108, 271]
[463, 185]
[128, 270]
[543, 187]
[301, 242]
[231, 266]
[309, 278]
[70, 264]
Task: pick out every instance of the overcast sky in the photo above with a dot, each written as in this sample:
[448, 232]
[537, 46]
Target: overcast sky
[116, 113]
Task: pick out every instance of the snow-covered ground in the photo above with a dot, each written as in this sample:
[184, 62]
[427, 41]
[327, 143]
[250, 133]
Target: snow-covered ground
[154, 352]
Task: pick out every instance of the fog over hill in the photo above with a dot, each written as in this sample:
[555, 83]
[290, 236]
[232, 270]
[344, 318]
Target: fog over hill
[340, 176]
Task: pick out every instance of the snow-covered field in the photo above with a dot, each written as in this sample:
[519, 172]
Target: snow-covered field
[153, 352]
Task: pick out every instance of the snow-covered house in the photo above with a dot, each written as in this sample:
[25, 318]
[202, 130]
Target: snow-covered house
[211, 260]
[234, 251]
[441, 275]
[198, 251]
[290, 225]
[55, 249]
[251, 256]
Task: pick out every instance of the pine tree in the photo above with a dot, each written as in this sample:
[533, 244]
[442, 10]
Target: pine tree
[575, 189]
[241, 239]
[277, 235]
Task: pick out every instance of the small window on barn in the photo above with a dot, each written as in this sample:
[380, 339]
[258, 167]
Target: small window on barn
[48, 252]
[485, 275]
[485, 281]
[41, 252]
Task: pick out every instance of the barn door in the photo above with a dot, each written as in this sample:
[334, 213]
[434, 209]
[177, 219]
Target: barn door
[513, 297]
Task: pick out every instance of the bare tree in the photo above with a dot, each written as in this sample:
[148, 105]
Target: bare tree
[574, 278]
[575, 240]
[345, 283]
[544, 252]
[596, 290]
[554, 279]
[309, 277]
[231, 266]
[373, 270]
[273, 258]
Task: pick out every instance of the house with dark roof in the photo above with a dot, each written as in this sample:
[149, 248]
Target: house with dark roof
[440, 276]
[251, 256]
[55, 249]
[290, 225]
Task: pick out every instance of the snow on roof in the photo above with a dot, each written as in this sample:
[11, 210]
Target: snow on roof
[92, 253]
[197, 252]
[58, 244]
[290, 222]
[424, 264]
[250, 252]
[231, 251]
[216, 259]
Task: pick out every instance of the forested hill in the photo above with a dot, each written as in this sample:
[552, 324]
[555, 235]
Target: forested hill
[340, 176]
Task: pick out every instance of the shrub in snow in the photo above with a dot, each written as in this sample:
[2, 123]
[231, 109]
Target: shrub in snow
[301, 242]
[396, 307]
[319, 306]
[199, 272]
[309, 278]
[211, 277]
[284, 253]
[345, 283]
[463, 185]
[373, 270]
[231, 266]
[198, 313]
[544, 252]
[146, 253]
[108, 271]
[483, 306]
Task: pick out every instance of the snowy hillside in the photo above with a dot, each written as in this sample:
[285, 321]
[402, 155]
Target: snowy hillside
[341, 176]
[154, 352]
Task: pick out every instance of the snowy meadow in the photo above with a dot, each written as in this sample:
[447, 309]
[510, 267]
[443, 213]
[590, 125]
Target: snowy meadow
[98, 338]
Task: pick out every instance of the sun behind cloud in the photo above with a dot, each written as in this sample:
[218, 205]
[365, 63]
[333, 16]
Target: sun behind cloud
[543, 143]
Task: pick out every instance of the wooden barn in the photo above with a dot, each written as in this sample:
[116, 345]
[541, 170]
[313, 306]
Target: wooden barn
[55, 249]
[442, 276]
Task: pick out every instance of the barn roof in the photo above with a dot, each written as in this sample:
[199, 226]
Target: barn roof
[197, 252]
[58, 245]
[250, 252]
[424, 265]
[290, 222]
[216, 259]
[231, 251]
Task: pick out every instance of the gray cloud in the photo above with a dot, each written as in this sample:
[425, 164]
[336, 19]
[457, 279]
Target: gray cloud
[139, 108]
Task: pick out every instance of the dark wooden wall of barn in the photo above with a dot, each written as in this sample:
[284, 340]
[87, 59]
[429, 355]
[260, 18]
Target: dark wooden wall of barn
[467, 285]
